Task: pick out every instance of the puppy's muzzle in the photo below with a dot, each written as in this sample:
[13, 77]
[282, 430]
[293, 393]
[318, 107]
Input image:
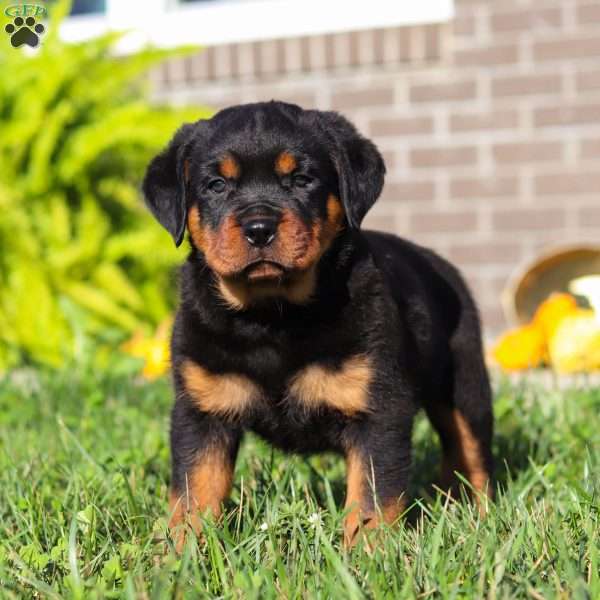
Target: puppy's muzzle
[259, 226]
[260, 232]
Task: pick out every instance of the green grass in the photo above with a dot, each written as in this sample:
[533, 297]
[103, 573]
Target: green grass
[83, 488]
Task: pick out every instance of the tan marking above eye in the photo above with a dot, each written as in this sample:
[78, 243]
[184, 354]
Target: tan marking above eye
[345, 389]
[229, 167]
[227, 394]
[285, 164]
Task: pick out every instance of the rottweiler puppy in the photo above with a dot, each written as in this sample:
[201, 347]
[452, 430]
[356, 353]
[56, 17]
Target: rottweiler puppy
[297, 325]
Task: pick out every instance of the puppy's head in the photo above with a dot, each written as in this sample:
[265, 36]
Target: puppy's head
[263, 190]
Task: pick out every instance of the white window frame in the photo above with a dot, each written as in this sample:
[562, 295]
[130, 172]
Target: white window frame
[168, 23]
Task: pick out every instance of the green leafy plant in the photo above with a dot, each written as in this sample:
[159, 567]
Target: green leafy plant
[79, 253]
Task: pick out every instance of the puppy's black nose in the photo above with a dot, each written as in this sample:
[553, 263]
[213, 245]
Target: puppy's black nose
[260, 232]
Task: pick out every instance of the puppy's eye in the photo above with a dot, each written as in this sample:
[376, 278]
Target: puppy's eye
[217, 185]
[301, 181]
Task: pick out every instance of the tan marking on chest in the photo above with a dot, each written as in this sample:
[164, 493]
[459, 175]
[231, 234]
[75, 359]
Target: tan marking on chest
[227, 394]
[345, 389]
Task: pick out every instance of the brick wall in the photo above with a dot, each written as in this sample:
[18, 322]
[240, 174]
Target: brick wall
[490, 125]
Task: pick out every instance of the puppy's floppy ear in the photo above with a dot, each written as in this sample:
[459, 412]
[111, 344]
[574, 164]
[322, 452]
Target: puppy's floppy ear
[165, 182]
[359, 165]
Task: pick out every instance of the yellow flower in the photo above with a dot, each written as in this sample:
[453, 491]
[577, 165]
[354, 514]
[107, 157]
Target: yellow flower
[157, 359]
[552, 311]
[154, 350]
[520, 349]
[528, 346]
[575, 344]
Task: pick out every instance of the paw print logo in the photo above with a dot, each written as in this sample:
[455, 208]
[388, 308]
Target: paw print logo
[24, 32]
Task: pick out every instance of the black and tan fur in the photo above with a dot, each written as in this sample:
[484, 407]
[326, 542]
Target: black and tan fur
[297, 325]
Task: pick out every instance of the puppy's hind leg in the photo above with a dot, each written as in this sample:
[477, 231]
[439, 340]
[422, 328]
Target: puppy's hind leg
[463, 415]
